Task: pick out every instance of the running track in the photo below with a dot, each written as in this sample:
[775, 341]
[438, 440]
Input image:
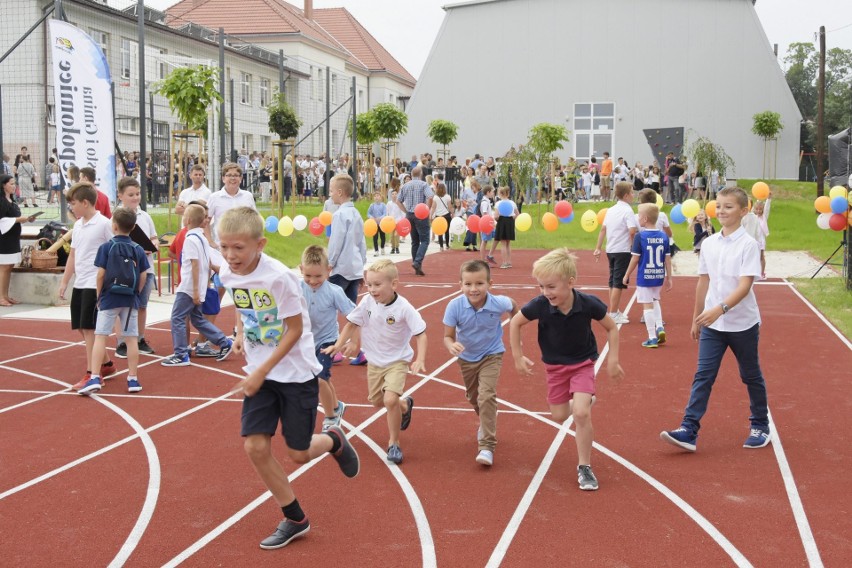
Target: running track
[160, 479]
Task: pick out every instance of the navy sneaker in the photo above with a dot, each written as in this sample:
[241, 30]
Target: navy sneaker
[92, 386]
[757, 438]
[406, 416]
[144, 347]
[121, 350]
[681, 438]
[395, 454]
[225, 351]
[175, 361]
[346, 456]
[286, 532]
[133, 385]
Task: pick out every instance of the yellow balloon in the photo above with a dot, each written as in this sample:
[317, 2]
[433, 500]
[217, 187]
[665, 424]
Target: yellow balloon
[523, 222]
[589, 221]
[660, 201]
[325, 218]
[601, 216]
[388, 224]
[690, 208]
[370, 227]
[285, 226]
[439, 226]
[549, 221]
[837, 191]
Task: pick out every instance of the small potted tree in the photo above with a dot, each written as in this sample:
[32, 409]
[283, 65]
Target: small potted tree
[767, 125]
[709, 157]
[389, 123]
[544, 139]
[365, 136]
[442, 132]
[283, 122]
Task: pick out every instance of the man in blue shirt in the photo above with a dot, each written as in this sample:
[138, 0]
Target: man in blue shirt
[410, 196]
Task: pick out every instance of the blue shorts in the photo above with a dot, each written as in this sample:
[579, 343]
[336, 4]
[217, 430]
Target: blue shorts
[292, 404]
[325, 361]
[487, 236]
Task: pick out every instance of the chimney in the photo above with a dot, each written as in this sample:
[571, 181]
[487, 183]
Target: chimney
[309, 10]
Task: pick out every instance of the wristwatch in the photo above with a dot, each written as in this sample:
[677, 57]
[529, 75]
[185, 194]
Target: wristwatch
[725, 307]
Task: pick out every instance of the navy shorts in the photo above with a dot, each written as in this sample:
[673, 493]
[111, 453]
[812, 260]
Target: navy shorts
[292, 404]
[84, 308]
[325, 361]
[618, 263]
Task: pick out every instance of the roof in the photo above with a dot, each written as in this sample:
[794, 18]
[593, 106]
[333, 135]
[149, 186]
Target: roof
[360, 43]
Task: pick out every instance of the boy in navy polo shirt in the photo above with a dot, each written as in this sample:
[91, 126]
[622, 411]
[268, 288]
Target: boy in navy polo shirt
[475, 317]
[568, 349]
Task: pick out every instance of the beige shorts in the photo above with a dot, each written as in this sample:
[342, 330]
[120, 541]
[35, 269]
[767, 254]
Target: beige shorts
[381, 379]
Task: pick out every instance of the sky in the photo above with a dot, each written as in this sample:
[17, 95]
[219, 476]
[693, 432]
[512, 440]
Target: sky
[407, 28]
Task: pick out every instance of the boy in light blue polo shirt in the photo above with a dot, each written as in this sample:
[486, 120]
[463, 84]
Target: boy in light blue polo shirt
[473, 332]
[324, 301]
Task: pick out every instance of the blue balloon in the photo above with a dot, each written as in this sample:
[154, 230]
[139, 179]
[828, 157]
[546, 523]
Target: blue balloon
[272, 224]
[328, 231]
[677, 215]
[839, 205]
[567, 219]
[505, 208]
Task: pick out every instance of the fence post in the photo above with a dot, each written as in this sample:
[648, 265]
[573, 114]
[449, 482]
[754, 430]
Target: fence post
[353, 164]
[218, 181]
[143, 151]
[327, 130]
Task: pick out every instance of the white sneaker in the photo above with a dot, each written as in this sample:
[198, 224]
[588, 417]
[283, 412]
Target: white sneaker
[620, 318]
[485, 457]
[376, 253]
[382, 252]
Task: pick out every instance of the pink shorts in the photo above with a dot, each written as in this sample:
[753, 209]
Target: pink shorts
[564, 380]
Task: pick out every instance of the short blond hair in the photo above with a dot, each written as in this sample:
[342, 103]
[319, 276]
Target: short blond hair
[623, 188]
[347, 185]
[195, 215]
[650, 211]
[241, 221]
[737, 193]
[385, 266]
[558, 262]
[315, 255]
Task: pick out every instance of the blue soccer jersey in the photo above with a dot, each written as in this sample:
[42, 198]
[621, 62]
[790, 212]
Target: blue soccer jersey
[651, 247]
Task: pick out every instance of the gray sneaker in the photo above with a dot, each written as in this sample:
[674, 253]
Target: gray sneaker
[586, 479]
[395, 454]
[330, 421]
[204, 350]
[346, 456]
[286, 532]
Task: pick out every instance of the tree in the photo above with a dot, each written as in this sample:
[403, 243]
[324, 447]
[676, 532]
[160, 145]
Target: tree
[708, 157]
[442, 132]
[388, 121]
[282, 118]
[544, 139]
[767, 125]
[516, 170]
[366, 134]
[191, 91]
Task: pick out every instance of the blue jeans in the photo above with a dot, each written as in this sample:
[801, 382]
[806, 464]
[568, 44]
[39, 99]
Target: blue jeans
[419, 238]
[712, 345]
[183, 307]
[350, 287]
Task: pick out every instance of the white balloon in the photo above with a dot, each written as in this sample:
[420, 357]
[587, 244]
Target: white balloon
[822, 220]
[457, 226]
[300, 222]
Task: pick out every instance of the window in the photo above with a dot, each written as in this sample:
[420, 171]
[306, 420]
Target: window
[362, 103]
[160, 130]
[127, 125]
[334, 139]
[160, 63]
[101, 38]
[594, 129]
[264, 143]
[334, 88]
[320, 86]
[245, 88]
[128, 53]
[246, 143]
[264, 93]
[51, 109]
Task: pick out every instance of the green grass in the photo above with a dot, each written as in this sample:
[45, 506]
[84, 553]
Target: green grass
[830, 297]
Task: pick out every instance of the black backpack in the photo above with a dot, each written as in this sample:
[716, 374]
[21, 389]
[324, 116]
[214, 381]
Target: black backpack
[122, 269]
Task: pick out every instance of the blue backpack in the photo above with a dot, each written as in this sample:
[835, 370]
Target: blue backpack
[122, 269]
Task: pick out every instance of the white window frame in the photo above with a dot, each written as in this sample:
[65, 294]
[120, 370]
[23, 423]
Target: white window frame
[127, 125]
[264, 143]
[246, 141]
[157, 126]
[101, 38]
[333, 88]
[320, 85]
[162, 67]
[591, 131]
[51, 114]
[245, 88]
[264, 93]
[126, 58]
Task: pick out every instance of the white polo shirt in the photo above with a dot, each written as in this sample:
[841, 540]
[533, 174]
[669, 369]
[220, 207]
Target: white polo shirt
[88, 236]
[222, 201]
[726, 260]
[195, 247]
[618, 222]
[386, 330]
[189, 194]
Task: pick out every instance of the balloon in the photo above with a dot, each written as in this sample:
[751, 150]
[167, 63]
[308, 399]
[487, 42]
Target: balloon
[325, 218]
[473, 223]
[421, 211]
[822, 220]
[300, 222]
[823, 204]
[837, 191]
[567, 219]
[759, 190]
[676, 215]
[839, 204]
[602, 215]
[504, 208]
[660, 201]
[370, 227]
[549, 221]
[690, 208]
[589, 221]
[403, 227]
[285, 226]
[486, 224]
[271, 223]
[710, 209]
[315, 227]
[457, 226]
[563, 209]
[440, 226]
[388, 224]
[523, 222]
[837, 221]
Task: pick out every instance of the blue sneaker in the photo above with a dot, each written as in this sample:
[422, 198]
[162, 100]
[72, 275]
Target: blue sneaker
[395, 454]
[93, 385]
[330, 421]
[225, 351]
[651, 343]
[361, 359]
[133, 385]
[757, 438]
[681, 438]
[661, 335]
[175, 361]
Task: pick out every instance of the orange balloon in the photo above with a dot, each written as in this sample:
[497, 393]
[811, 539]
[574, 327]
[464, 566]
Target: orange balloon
[388, 224]
[325, 218]
[602, 215]
[823, 204]
[370, 227]
[710, 209]
[760, 190]
[439, 226]
[549, 221]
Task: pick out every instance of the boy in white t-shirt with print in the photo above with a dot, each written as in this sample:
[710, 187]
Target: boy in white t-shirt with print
[386, 322]
[281, 386]
[618, 228]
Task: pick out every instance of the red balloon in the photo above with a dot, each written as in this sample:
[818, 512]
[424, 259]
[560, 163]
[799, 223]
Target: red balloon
[403, 227]
[473, 223]
[563, 209]
[315, 227]
[421, 211]
[486, 224]
[837, 222]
